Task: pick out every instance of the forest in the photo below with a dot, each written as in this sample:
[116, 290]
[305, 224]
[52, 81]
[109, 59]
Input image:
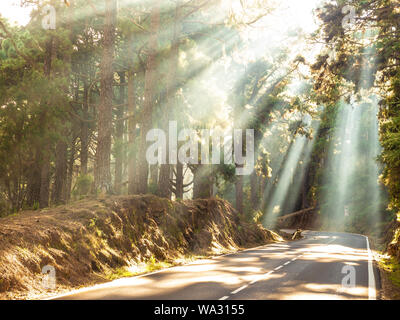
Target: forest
[84, 82]
[138, 135]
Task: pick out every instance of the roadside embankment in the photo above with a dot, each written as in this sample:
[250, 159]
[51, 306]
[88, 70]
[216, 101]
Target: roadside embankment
[96, 240]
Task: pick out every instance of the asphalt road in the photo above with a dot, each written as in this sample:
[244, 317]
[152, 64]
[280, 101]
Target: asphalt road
[323, 265]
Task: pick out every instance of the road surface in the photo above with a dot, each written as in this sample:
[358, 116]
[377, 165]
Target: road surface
[320, 266]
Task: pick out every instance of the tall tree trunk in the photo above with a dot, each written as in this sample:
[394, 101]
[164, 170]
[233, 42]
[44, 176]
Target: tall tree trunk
[305, 188]
[60, 180]
[71, 161]
[45, 181]
[58, 195]
[45, 170]
[154, 175]
[164, 187]
[103, 151]
[33, 182]
[149, 98]
[254, 191]
[237, 124]
[179, 181]
[263, 185]
[132, 154]
[84, 132]
[239, 193]
[119, 133]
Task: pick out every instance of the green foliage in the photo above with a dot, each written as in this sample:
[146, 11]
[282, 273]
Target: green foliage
[392, 266]
[83, 185]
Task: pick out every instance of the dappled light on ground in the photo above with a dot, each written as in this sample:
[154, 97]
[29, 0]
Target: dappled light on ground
[276, 271]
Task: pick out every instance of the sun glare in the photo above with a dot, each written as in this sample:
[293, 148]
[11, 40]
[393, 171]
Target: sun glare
[16, 14]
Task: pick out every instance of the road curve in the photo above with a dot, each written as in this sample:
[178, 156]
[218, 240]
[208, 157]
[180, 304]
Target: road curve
[323, 265]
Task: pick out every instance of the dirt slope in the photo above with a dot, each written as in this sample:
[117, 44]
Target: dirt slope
[90, 240]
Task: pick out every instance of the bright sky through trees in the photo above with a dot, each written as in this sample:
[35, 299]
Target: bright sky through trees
[12, 10]
[114, 70]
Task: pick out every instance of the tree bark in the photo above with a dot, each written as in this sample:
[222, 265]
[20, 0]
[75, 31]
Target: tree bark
[70, 167]
[119, 132]
[132, 154]
[164, 187]
[45, 170]
[103, 151]
[84, 134]
[33, 188]
[45, 181]
[58, 195]
[179, 181]
[239, 193]
[154, 175]
[149, 98]
[254, 191]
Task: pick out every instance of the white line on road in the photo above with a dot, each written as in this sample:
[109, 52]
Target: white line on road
[255, 280]
[262, 277]
[371, 277]
[259, 277]
[240, 289]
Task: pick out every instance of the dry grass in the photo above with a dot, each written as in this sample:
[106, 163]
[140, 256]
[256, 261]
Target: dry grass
[96, 240]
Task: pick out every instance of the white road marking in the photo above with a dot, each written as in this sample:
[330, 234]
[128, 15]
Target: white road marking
[371, 277]
[334, 238]
[240, 289]
[255, 280]
[259, 277]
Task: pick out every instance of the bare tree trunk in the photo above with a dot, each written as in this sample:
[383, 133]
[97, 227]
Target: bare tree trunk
[179, 181]
[103, 152]
[70, 168]
[263, 185]
[132, 154]
[84, 134]
[33, 181]
[254, 191]
[154, 175]
[45, 181]
[45, 170]
[149, 101]
[59, 190]
[119, 133]
[60, 172]
[164, 188]
[239, 193]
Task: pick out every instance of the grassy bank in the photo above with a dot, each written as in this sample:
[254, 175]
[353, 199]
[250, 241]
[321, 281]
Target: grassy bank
[98, 240]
